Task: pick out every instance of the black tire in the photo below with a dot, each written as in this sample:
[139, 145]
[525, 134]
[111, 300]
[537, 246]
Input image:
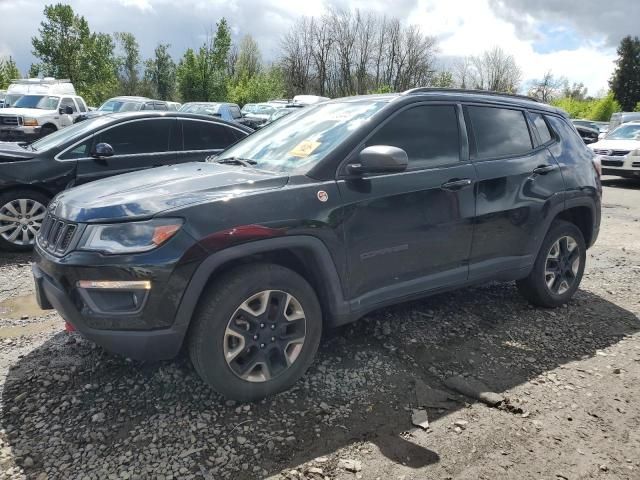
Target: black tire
[6, 230]
[47, 130]
[220, 304]
[535, 287]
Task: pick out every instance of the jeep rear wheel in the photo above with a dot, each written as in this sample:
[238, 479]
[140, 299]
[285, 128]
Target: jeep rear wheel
[558, 268]
[255, 331]
[21, 215]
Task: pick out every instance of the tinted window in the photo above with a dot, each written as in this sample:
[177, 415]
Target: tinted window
[160, 106]
[205, 135]
[429, 135]
[67, 102]
[143, 136]
[83, 150]
[541, 127]
[499, 131]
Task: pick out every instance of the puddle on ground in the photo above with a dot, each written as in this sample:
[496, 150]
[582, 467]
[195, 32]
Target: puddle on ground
[18, 307]
[29, 329]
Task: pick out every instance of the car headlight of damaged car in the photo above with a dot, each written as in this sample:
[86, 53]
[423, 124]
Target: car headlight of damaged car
[132, 237]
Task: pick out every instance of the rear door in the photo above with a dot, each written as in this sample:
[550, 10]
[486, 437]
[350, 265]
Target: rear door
[202, 139]
[519, 185]
[137, 144]
[411, 232]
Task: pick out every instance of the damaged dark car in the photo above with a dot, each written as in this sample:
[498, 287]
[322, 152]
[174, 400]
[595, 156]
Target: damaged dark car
[31, 174]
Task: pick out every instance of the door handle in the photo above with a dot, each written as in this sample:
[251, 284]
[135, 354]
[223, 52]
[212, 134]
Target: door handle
[454, 184]
[544, 169]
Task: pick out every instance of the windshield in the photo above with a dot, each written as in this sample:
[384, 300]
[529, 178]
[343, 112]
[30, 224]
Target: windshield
[625, 132]
[249, 108]
[11, 98]
[61, 136]
[302, 139]
[42, 102]
[203, 108]
[261, 110]
[120, 106]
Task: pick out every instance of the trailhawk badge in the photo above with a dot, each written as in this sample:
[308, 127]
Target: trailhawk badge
[323, 196]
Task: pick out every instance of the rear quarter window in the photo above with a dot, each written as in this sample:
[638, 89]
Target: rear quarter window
[499, 132]
[541, 126]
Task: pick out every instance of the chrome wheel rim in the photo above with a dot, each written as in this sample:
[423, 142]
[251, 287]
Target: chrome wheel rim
[562, 265]
[264, 336]
[20, 221]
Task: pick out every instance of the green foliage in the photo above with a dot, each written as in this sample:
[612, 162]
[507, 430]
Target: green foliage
[66, 48]
[382, 89]
[128, 63]
[8, 71]
[597, 109]
[260, 87]
[443, 79]
[625, 82]
[160, 72]
[637, 109]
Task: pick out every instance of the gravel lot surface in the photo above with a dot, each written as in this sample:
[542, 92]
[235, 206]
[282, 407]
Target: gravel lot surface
[567, 383]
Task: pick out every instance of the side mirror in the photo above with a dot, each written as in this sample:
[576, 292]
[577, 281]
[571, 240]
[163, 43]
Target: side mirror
[102, 150]
[68, 110]
[380, 159]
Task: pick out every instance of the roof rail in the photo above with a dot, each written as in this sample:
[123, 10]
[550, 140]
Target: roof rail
[466, 90]
[40, 81]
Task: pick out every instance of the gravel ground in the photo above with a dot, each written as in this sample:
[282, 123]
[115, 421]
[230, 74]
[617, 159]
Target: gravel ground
[568, 381]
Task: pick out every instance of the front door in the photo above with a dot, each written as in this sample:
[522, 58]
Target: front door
[137, 144]
[411, 232]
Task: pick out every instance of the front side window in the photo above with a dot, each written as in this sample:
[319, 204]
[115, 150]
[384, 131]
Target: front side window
[205, 135]
[429, 134]
[301, 140]
[499, 132]
[138, 137]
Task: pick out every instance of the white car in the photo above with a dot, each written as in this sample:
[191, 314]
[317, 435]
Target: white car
[619, 152]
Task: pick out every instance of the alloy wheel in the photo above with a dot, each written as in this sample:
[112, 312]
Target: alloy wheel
[265, 335]
[20, 221]
[562, 265]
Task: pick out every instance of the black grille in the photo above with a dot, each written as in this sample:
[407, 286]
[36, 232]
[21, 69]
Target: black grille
[635, 164]
[612, 163]
[56, 235]
[613, 153]
[7, 120]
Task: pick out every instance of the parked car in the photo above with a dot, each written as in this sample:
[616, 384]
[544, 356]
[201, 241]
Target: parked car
[603, 128]
[126, 104]
[3, 93]
[619, 152]
[588, 135]
[37, 86]
[36, 116]
[255, 115]
[619, 118]
[30, 175]
[173, 106]
[333, 211]
[283, 112]
[309, 99]
[226, 111]
[585, 123]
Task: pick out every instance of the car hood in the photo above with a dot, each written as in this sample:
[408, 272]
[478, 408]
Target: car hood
[615, 145]
[144, 194]
[26, 112]
[13, 152]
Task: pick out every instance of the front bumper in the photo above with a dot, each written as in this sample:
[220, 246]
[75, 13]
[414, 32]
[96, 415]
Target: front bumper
[145, 329]
[627, 166]
[20, 133]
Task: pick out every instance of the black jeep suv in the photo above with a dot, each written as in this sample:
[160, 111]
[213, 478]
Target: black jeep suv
[333, 211]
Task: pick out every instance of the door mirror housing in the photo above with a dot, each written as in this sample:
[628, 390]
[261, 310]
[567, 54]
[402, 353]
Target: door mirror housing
[102, 150]
[380, 159]
[66, 110]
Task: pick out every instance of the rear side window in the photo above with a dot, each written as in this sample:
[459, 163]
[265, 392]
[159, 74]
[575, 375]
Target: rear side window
[499, 132]
[142, 136]
[205, 135]
[429, 134]
[542, 128]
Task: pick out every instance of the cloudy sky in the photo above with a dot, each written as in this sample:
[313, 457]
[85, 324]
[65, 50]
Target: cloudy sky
[574, 39]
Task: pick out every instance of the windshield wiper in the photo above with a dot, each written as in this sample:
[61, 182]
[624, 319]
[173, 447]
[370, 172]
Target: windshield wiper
[245, 162]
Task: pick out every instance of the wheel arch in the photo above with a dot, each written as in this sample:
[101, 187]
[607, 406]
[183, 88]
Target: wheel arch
[50, 125]
[306, 255]
[33, 188]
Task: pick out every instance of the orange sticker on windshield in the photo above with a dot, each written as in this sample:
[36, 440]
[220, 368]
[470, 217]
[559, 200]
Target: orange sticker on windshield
[304, 148]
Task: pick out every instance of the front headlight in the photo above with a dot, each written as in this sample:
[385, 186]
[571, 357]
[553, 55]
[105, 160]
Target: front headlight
[29, 122]
[133, 237]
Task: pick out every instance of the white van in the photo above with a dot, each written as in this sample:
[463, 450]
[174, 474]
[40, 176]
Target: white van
[37, 86]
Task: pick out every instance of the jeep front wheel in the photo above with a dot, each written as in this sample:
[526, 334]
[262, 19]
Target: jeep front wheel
[255, 331]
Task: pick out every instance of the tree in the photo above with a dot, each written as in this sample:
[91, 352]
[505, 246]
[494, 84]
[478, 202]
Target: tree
[266, 85]
[547, 88]
[575, 91]
[187, 76]
[8, 71]
[66, 48]
[160, 72]
[496, 70]
[249, 58]
[443, 79]
[603, 108]
[625, 82]
[128, 63]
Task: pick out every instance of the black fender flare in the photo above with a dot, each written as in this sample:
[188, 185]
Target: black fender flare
[336, 309]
